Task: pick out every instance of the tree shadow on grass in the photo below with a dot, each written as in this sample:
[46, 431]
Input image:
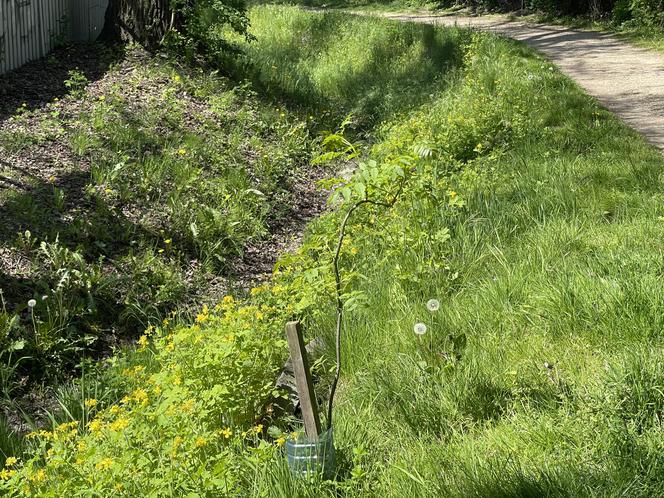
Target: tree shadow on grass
[397, 67]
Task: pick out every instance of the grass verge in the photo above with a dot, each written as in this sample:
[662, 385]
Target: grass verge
[528, 212]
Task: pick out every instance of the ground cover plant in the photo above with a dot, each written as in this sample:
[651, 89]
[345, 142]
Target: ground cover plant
[126, 199]
[503, 309]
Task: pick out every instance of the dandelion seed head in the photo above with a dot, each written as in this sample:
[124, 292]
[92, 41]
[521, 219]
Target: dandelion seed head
[433, 305]
[32, 303]
[420, 329]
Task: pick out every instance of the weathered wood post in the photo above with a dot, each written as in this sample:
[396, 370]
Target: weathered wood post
[305, 386]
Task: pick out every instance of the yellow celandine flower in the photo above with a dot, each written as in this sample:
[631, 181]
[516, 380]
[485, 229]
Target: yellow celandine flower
[95, 425]
[11, 461]
[182, 152]
[40, 434]
[176, 444]
[140, 396]
[106, 463]
[257, 290]
[281, 441]
[90, 402]
[119, 425]
[39, 476]
[7, 474]
[143, 341]
[227, 432]
[228, 300]
[452, 194]
[258, 429]
[200, 442]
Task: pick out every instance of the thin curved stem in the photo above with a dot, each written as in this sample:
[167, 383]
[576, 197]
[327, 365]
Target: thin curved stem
[339, 301]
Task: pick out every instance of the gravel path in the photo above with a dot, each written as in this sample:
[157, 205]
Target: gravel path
[628, 80]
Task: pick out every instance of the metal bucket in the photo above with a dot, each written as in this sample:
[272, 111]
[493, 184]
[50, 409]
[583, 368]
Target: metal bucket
[308, 458]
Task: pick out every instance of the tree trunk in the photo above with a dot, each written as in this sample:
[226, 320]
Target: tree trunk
[141, 21]
[111, 32]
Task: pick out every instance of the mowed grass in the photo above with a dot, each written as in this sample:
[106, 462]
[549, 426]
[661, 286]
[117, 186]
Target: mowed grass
[529, 212]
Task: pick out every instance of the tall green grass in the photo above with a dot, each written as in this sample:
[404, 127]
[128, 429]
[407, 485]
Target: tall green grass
[535, 218]
[338, 64]
[552, 273]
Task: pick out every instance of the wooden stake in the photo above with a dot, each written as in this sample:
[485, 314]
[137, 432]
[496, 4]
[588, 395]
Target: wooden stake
[305, 387]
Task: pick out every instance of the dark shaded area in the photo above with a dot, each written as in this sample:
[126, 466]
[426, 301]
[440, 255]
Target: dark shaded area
[384, 87]
[39, 82]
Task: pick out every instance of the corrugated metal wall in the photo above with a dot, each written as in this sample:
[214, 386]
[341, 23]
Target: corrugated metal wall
[30, 29]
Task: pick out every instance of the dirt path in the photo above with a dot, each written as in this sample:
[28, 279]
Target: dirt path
[628, 80]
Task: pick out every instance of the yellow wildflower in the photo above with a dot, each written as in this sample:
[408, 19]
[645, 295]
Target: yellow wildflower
[200, 442]
[39, 476]
[81, 446]
[11, 461]
[95, 425]
[140, 396]
[90, 403]
[143, 341]
[227, 432]
[182, 152]
[119, 425]
[257, 290]
[176, 444]
[354, 250]
[7, 473]
[281, 441]
[259, 315]
[157, 390]
[168, 241]
[258, 429]
[106, 463]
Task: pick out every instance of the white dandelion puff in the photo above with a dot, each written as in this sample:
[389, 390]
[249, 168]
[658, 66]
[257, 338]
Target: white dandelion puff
[32, 303]
[420, 329]
[433, 305]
